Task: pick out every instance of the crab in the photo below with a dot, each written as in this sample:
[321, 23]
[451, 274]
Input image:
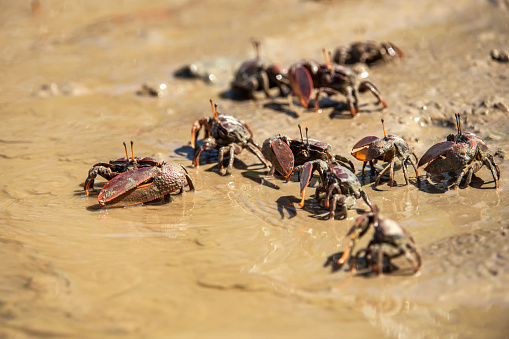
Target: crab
[287, 154]
[464, 152]
[110, 170]
[368, 52]
[145, 184]
[230, 135]
[390, 149]
[331, 79]
[257, 75]
[500, 56]
[390, 241]
[340, 185]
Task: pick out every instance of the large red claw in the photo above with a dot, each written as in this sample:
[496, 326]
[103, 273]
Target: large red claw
[434, 152]
[361, 149]
[302, 84]
[284, 156]
[123, 183]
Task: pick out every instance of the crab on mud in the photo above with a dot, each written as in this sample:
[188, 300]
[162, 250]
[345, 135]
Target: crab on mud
[257, 75]
[390, 149]
[110, 170]
[145, 184]
[287, 154]
[230, 135]
[390, 241]
[464, 152]
[331, 79]
[368, 52]
[340, 185]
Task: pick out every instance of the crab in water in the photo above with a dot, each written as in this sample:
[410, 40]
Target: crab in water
[390, 241]
[230, 135]
[464, 152]
[145, 184]
[390, 149]
[331, 79]
[368, 52]
[287, 154]
[340, 185]
[110, 170]
[257, 75]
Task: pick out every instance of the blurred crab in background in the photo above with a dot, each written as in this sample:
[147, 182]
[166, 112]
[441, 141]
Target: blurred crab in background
[258, 75]
[390, 149]
[390, 241]
[230, 135]
[367, 52]
[464, 152]
[332, 79]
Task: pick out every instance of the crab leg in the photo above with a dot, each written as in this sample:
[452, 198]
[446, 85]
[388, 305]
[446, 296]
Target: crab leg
[252, 147]
[230, 162]
[336, 198]
[369, 86]
[389, 167]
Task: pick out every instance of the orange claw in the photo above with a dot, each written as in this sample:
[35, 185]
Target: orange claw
[344, 257]
[301, 203]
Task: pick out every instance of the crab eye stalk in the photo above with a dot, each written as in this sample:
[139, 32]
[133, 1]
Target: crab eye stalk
[300, 130]
[383, 127]
[126, 155]
[132, 150]
[256, 45]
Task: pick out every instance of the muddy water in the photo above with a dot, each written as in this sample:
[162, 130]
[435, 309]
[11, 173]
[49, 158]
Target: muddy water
[230, 260]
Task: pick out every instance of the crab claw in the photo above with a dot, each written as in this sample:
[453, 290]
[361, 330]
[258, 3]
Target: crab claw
[392, 49]
[433, 153]
[306, 172]
[361, 150]
[284, 156]
[302, 84]
[353, 233]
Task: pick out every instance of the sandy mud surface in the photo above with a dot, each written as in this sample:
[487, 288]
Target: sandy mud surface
[238, 258]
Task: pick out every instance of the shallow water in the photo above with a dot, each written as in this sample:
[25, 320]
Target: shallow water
[238, 257]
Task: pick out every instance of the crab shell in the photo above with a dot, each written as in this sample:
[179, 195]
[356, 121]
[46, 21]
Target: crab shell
[144, 184]
[447, 156]
[371, 147]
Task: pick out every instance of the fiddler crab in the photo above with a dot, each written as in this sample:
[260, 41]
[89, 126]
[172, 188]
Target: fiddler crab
[340, 185]
[287, 154]
[258, 75]
[367, 52]
[331, 79]
[137, 180]
[113, 168]
[391, 149]
[464, 152]
[229, 135]
[390, 241]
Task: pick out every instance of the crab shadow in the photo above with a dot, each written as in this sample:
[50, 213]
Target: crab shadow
[281, 107]
[260, 178]
[442, 183]
[165, 200]
[287, 204]
[317, 211]
[363, 269]
[185, 151]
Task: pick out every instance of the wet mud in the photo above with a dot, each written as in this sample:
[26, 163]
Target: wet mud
[238, 257]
